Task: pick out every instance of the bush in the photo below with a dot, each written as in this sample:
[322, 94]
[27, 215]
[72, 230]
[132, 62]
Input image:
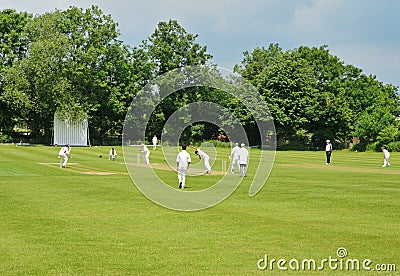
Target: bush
[376, 146]
[4, 138]
[388, 135]
[216, 143]
[394, 146]
[361, 146]
[296, 145]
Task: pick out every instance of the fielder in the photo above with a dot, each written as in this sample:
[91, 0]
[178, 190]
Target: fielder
[154, 140]
[234, 157]
[182, 163]
[386, 155]
[112, 155]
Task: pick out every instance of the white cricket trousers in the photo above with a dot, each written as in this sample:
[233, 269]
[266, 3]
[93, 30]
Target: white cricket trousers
[235, 162]
[182, 176]
[243, 169]
[207, 164]
[146, 158]
[63, 158]
[386, 162]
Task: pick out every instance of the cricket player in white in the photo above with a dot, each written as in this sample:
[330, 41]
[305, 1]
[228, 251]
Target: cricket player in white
[113, 154]
[234, 157]
[182, 162]
[146, 156]
[205, 157]
[243, 159]
[63, 154]
[155, 142]
[386, 155]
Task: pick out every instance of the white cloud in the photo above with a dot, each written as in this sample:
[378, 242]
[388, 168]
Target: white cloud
[374, 60]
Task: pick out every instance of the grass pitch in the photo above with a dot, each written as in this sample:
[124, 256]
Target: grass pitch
[90, 219]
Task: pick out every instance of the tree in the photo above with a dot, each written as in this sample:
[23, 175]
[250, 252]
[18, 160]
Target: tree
[12, 47]
[77, 67]
[314, 96]
[331, 116]
[35, 85]
[287, 84]
[170, 47]
[376, 106]
[102, 70]
[255, 62]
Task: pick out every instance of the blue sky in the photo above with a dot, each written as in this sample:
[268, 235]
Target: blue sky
[364, 33]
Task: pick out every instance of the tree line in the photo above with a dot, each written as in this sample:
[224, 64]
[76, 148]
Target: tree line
[72, 62]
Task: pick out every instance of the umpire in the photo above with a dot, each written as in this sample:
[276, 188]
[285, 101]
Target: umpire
[328, 150]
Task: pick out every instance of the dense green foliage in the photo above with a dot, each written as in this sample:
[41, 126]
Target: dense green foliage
[75, 66]
[314, 96]
[72, 62]
[12, 47]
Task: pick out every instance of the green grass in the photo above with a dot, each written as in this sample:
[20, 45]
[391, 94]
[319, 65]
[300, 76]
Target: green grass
[67, 222]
